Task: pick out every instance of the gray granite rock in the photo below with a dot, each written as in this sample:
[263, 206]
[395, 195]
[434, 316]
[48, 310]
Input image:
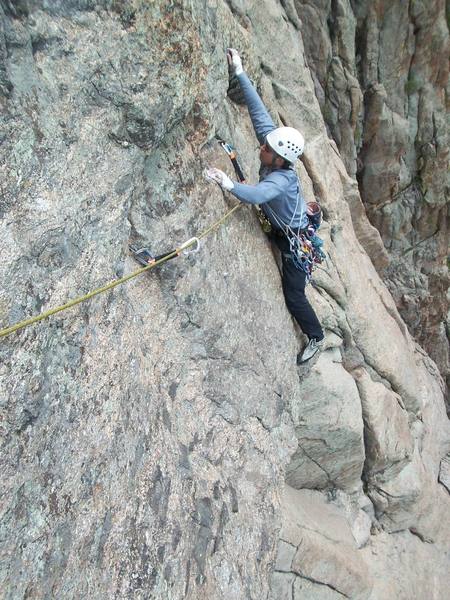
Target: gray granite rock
[329, 430]
[146, 435]
[326, 551]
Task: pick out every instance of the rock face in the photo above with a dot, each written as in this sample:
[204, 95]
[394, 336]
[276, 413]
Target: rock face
[158, 441]
[380, 72]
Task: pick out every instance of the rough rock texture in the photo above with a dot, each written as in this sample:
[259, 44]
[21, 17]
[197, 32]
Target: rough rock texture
[147, 434]
[380, 72]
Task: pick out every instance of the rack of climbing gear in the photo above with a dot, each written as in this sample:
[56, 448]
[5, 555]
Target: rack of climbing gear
[306, 246]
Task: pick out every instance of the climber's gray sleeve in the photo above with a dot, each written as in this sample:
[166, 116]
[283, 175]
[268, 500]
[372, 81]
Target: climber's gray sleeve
[262, 121]
[266, 190]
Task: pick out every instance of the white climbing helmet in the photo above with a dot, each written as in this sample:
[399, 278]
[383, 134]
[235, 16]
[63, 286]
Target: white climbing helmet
[287, 142]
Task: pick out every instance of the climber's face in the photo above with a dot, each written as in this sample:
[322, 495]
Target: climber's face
[266, 156]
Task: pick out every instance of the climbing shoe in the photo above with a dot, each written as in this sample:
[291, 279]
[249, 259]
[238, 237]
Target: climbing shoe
[311, 349]
[142, 255]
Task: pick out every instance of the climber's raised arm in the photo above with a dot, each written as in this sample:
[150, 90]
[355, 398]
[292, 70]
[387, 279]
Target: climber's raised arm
[261, 120]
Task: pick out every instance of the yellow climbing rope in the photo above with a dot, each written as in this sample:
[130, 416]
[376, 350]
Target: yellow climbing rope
[116, 282]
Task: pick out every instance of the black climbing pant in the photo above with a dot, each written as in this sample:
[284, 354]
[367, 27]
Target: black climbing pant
[294, 282]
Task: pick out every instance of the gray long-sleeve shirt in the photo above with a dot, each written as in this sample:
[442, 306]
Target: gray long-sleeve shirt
[278, 191]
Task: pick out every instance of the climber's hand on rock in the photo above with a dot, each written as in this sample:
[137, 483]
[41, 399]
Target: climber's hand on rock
[218, 176]
[234, 60]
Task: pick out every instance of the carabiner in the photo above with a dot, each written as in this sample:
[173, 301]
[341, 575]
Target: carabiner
[184, 247]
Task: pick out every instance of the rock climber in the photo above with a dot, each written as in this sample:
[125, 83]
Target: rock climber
[280, 197]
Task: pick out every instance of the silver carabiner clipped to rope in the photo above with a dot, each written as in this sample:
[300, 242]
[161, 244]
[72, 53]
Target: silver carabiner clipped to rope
[184, 247]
